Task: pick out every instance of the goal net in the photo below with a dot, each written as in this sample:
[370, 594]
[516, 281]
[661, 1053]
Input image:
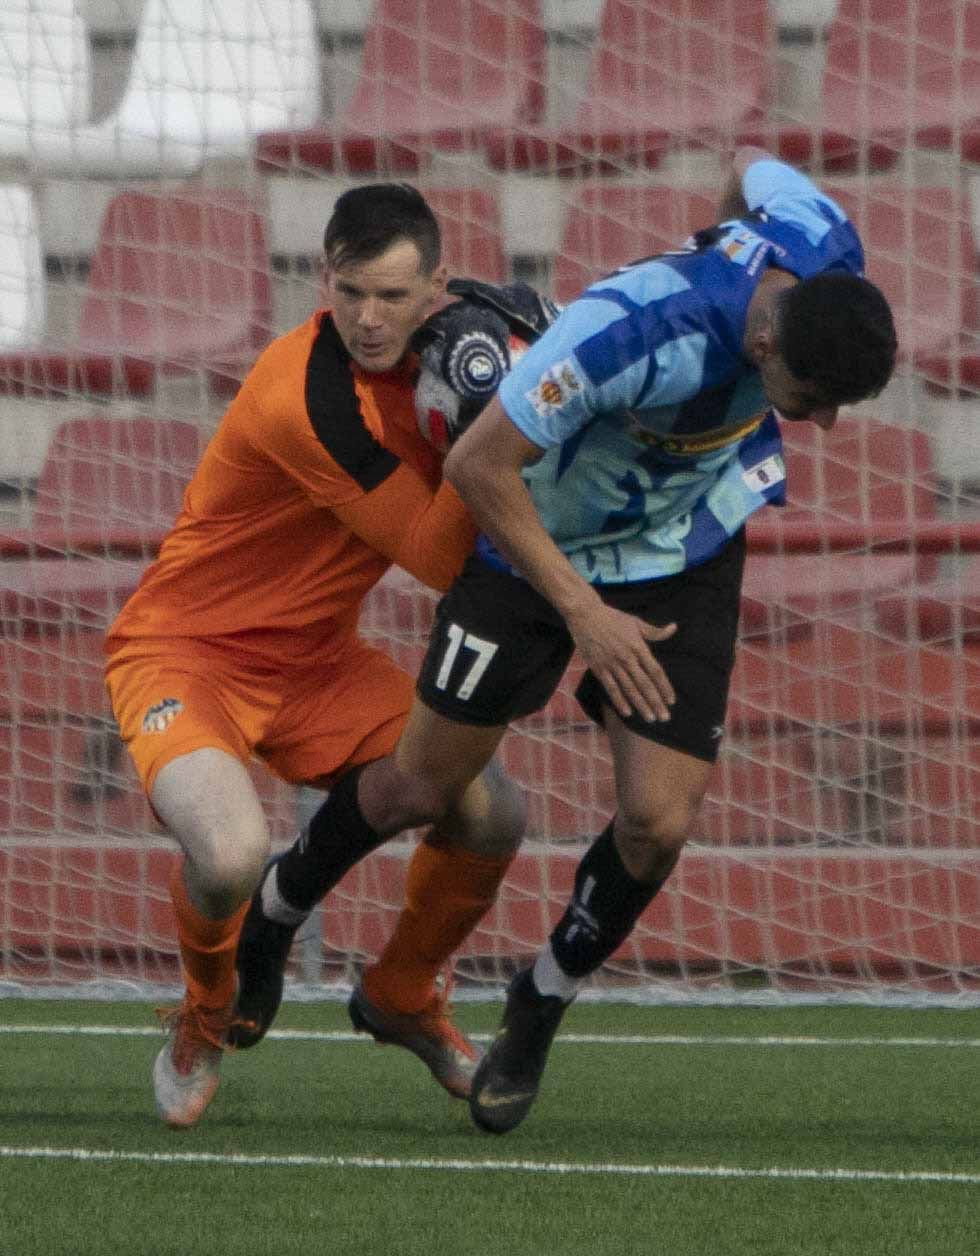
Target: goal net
[169, 166]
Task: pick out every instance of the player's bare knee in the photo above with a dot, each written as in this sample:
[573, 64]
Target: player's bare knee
[491, 818]
[508, 812]
[392, 799]
[223, 872]
[650, 838]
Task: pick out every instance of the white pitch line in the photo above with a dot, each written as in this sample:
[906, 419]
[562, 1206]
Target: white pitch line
[628, 1040]
[91, 1155]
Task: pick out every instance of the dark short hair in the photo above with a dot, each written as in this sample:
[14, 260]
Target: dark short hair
[836, 331]
[367, 220]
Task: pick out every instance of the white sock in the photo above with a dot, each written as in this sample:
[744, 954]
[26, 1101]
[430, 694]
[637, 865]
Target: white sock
[552, 980]
[275, 907]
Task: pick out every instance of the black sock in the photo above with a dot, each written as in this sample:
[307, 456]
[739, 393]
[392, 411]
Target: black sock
[605, 905]
[335, 839]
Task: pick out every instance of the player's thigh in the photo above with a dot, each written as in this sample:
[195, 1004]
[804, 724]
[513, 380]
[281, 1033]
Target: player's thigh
[447, 754]
[659, 789]
[166, 707]
[698, 660]
[189, 729]
[348, 712]
[496, 652]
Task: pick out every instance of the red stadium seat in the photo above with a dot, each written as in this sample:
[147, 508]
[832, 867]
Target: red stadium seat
[179, 282]
[434, 73]
[472, 235]
[938, 612]
[608, 225]
[828, 788]
[920, 250]
[863, 471]
[106, 475]
[764, 801]
[953, 368]
[898, 74]
[61, 761]
[938, 799]
[845, 678]
[566, 775]
[105, 482]
[664, 74]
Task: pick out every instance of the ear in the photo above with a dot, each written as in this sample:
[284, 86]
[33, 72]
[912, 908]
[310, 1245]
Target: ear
[440, 277]
[324, 273]
[760, 340]
[763, 340]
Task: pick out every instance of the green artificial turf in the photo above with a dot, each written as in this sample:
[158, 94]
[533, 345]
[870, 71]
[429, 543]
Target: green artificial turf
[402, 1170]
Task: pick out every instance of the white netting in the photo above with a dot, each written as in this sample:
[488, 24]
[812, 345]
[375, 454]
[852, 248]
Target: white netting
[167, 169]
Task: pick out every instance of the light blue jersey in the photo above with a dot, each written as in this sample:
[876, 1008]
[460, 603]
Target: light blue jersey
[658, 440]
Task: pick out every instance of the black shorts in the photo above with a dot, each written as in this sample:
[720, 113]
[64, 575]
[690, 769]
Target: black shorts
[498, 649]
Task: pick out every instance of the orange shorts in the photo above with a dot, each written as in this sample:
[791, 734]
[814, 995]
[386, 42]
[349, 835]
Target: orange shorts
[307, 726]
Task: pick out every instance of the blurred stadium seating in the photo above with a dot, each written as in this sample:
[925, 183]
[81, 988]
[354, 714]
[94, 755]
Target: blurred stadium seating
[166, 168]
[433, 73]
[179, 282]
[44, 75]
[898, 73]
[661, 75]
[205, 77]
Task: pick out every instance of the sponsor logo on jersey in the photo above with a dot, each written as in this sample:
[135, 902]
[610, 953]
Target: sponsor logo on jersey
[695, 442]
[765, 474]
[161, 715]
[556, 386]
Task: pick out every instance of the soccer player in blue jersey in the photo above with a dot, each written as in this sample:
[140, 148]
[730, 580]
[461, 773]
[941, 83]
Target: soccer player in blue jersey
[611, 476]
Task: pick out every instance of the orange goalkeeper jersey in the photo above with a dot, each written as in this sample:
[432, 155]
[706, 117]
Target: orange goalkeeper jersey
[315, 482]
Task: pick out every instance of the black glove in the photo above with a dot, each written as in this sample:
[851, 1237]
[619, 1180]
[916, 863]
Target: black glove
[466, 348]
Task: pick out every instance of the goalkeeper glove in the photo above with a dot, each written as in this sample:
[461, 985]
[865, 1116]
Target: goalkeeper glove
[466, 348]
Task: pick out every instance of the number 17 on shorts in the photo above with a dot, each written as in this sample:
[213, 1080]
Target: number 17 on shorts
[470, 649]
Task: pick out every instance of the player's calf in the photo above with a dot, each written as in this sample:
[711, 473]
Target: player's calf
[264, 943]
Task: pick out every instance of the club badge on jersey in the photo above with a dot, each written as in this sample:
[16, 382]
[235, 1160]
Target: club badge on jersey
[465, 350]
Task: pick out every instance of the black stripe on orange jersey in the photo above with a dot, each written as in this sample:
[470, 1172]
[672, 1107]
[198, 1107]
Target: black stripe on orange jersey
[335, 412]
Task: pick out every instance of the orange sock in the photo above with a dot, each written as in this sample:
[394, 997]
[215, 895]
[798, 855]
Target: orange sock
[447, 892]
[207, 947]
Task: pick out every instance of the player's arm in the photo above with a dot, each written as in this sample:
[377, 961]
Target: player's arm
[467, 347]
[485, 466]
[758, 176]
[342, 468]
[809, 225]
[733, 202]
[426, 533]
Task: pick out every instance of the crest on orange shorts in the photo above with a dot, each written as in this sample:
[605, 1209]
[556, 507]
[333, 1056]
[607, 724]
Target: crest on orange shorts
[161, 715]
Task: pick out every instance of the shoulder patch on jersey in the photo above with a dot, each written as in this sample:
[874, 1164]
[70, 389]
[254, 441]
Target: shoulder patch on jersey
[335, 413]
[556, 386]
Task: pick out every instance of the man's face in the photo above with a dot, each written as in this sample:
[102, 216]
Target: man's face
[794, 399]
[378, 304]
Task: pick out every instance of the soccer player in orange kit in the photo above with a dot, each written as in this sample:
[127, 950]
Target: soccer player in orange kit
[241, 640]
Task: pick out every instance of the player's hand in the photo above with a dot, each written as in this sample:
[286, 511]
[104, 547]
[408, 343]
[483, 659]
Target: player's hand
[463, 355]
[616, 646]
[466, 348]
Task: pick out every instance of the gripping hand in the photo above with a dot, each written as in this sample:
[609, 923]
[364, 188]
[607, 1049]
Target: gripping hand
[465, 350]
